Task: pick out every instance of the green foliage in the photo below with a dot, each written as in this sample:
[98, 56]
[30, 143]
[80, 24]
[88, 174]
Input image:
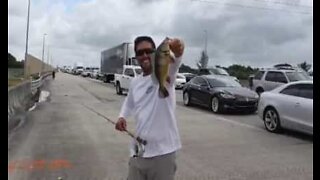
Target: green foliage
[13, 63]
[305, 66]
[187, 69]
[240, 71]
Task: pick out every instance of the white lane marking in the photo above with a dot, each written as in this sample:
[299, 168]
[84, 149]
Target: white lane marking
[238, 123]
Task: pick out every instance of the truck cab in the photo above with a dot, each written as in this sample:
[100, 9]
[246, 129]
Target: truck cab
[122, 81]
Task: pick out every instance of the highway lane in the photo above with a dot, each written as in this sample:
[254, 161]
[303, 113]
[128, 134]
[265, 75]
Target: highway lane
[61, 138]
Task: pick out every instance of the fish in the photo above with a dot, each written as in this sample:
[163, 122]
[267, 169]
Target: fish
[160, 65]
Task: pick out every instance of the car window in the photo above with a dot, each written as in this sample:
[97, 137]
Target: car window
[221, 71]
[138, 71]
[204, 72]
[198, 81]
[129, 72]
[276, 77]
[223, 83]
[202, 81]
[259, 75]
[306, 91]
[291, 90]
[297, 76]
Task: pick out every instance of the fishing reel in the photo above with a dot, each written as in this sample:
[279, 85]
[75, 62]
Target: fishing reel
[139, 147]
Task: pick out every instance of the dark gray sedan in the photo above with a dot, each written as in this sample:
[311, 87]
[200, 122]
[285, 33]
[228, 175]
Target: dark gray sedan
[219, 93]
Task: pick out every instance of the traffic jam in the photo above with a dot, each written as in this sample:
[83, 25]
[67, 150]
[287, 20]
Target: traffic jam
[281, 97]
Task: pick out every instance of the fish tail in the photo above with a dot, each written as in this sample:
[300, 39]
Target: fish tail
[163, 92]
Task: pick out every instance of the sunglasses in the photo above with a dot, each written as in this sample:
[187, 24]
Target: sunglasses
[144, 51]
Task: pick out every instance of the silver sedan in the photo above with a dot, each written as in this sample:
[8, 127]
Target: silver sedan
[289, 106]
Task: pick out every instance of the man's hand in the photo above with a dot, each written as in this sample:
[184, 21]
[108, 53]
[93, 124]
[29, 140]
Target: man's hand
[176, 46]
[121, 124]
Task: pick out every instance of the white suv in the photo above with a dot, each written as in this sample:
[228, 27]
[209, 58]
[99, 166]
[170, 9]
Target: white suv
[268, 79]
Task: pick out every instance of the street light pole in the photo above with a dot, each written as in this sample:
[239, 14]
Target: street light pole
[48, 60]
[27, 35]
[44, 38]
[205, 46]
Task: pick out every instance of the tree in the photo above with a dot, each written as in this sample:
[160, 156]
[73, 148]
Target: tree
[13, 63]
[186, 69]
[305, 66]
[203, 62]
[240, 71]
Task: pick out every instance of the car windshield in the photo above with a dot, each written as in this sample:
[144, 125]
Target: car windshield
[223, 83]
[297, 76]
[138, 71]
[218, 71]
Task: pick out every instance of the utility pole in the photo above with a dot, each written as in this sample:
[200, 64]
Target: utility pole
[47, 65]
[27, 35]
[44, 39]
[205, 45]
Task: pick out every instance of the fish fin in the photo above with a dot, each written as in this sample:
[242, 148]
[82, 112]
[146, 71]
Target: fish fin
[168, 79]
[163, 92]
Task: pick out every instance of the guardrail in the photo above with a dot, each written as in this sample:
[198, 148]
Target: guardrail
[35, 84]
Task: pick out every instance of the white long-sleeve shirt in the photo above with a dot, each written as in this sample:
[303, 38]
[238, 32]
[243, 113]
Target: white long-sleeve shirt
[154, 116]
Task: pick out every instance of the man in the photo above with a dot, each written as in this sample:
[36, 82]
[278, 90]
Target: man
[154, 116]
[53, 74]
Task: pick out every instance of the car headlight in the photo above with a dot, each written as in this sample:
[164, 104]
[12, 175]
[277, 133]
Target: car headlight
[256, 96]
[227, 96]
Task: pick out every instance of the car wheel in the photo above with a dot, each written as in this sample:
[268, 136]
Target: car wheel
[271, 120]
[118, 89]
[186, 99]
[216, 105]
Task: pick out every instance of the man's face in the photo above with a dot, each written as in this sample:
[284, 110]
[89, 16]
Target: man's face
[143, 54]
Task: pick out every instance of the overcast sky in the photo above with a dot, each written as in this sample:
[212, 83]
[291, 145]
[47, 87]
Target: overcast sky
[259, 33]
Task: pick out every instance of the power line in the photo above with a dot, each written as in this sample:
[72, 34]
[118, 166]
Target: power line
[251, 7]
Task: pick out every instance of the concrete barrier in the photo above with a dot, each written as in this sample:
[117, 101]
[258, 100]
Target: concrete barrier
[20, 99]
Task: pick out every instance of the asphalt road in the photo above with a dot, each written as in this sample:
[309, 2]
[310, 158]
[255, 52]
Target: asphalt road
[60, 138]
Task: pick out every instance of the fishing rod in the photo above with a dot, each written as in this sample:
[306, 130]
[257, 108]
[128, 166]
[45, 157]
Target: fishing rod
[139, 146]
[144, 142]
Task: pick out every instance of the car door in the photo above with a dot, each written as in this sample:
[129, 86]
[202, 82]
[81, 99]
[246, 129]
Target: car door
[128, 75]
[256, 80]
[297, 107]
[203, 91]
[305, 107]
[193, 89]
[274, 79]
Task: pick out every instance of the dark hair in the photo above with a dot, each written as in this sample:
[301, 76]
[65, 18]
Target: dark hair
[139, 39]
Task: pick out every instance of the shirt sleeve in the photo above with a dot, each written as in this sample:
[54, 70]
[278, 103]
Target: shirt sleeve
[128, 104]
[173, 69]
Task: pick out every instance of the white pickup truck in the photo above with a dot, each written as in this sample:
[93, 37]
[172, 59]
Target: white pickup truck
[122, 81]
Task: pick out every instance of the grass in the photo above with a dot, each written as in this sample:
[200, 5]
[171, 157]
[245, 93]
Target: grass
[14, 82]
